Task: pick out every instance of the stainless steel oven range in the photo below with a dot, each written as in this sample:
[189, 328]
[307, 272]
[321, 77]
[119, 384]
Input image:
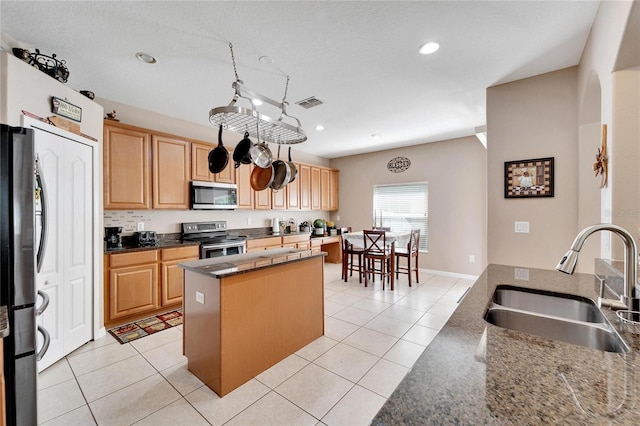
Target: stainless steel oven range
[213, 238]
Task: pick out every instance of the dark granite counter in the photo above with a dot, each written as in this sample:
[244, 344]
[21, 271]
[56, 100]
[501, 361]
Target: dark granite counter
[130, 244]
[476, 373]
[220, 267]
[4, 322]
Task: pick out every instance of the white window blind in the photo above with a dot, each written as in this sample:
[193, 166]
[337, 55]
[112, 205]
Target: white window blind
[403, 207]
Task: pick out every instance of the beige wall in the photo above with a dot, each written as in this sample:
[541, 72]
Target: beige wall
[533, 118]
[456, 173]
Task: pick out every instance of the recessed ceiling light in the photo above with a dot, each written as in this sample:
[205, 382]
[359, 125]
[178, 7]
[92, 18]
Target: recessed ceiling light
[265, 59]
[319, 127]
[429, 48]
[145, 57]
[375, 135]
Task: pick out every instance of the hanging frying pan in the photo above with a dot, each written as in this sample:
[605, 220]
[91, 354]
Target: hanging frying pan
[219, 156]
[260, 153]
[281, 173]
[241, 151]
[292, 167]
[261, 178]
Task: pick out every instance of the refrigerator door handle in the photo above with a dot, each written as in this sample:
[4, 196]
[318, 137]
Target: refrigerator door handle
[42, 246]
[45, 345]
[45, 303]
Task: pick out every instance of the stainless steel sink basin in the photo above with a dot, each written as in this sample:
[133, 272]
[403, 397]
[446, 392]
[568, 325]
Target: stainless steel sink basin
[562, 305]
[557, 316]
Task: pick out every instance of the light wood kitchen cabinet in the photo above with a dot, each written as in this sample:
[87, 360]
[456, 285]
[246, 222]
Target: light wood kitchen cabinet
[171, 173]
[333, 190]
[279, 198]
[325, 194]
[245, 192]
[172, 277]
[316, 184]
[200, 162]
[143, 283]
[127, 168]
[293, 192]
[263, 244]
[133, 284]
[296, 241]
[200, 165]
[262, 199]
[304, 175]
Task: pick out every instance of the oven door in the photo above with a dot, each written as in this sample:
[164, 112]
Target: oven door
[209, 250]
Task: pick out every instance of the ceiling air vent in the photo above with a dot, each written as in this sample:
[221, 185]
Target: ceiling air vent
[309, 102]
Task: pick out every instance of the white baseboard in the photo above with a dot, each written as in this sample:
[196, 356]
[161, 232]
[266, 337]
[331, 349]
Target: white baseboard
[450, 274]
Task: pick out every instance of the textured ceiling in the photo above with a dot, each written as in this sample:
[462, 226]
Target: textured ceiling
[359, 58]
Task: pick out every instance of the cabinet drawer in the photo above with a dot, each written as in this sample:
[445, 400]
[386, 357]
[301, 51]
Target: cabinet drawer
[135, 258]
[180, 253]
[295, 239]
[264, 243]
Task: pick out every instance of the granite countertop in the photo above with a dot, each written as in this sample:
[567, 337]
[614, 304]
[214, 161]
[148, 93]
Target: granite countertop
[477, 373]
[4, 322]
[225, 266]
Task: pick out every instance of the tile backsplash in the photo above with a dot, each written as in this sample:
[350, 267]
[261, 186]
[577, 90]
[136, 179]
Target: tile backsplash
[128, 220]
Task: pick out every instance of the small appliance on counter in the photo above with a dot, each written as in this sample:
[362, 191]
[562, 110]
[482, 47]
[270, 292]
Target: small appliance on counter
[112, 237]
[147, 238]
[275, 226]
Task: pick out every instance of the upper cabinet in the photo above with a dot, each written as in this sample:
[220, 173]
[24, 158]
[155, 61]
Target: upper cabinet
[171, 172]
[200, 165]
[127, 168]
[145, 169]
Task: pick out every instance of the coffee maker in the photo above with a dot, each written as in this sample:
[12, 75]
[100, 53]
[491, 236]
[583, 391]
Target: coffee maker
[112, 237]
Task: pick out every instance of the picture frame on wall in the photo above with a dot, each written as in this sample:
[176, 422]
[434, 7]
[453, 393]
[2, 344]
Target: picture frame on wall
[528, 178]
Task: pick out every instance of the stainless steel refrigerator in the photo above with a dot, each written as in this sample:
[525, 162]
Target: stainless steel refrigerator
[19, 187]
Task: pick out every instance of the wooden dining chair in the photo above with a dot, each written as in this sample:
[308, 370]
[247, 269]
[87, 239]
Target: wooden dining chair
[411, 254]
[378, 253]
[349, 252]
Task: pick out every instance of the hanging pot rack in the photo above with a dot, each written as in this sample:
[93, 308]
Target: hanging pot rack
[239, 119]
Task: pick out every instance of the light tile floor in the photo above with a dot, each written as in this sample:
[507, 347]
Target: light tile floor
[372, 339]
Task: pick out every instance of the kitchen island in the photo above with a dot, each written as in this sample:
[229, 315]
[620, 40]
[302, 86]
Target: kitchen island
[246, 312]
[477, 373]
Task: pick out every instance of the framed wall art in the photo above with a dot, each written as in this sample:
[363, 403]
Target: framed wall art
[528, 178]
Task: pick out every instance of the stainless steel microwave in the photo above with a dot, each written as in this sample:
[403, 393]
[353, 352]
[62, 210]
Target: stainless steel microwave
[213, 196]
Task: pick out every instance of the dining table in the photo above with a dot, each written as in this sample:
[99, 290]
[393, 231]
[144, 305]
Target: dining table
[393, 239]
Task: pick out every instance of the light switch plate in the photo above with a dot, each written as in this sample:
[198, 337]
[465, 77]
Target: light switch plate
[522, 274]
[522, 227]
[199, 297]
[140, 226]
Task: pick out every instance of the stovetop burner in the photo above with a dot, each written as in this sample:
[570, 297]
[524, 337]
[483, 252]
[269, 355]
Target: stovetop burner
[210, 232]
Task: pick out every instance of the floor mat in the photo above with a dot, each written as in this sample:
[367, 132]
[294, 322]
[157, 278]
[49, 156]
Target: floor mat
[144, 327]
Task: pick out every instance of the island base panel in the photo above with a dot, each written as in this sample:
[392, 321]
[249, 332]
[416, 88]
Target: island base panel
[251, 321]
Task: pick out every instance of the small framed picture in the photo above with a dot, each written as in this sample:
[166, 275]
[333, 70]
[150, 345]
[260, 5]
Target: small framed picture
[528, 178]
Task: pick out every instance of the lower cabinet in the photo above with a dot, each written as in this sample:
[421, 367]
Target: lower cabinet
[142, 283]
[292, 241]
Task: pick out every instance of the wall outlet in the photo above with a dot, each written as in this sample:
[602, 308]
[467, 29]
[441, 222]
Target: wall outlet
[140, 226]
[199, 297]
[248, 221]
[472, 258]
[522, 227]
[338, 218]
[522, 274]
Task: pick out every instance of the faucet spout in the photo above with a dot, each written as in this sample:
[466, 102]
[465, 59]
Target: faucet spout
[568, 262]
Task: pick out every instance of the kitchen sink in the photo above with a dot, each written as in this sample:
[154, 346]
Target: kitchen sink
[557, 316]
[542, 302]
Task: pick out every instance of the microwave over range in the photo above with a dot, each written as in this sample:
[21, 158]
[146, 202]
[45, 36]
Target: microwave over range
[213, 196]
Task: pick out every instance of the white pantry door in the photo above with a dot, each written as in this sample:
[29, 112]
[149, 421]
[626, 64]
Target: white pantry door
[67, 270]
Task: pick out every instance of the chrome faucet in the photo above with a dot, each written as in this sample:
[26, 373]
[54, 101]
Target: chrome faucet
[630, 298]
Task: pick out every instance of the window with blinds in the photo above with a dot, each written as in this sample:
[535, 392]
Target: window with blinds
[403, 207]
